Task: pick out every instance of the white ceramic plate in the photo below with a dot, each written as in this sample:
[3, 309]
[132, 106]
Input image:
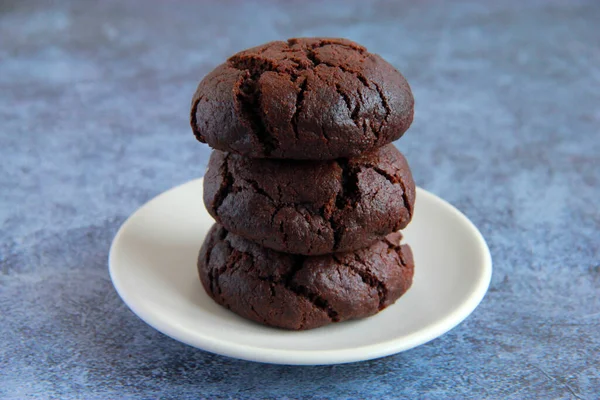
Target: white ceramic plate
[152, 264]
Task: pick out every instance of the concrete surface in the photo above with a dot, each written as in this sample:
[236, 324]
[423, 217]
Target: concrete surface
[94, 101]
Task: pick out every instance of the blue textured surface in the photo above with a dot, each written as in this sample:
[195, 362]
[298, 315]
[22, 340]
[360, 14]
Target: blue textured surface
[94, 104]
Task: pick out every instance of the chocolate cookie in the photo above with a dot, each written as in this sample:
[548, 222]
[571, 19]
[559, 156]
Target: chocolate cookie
[299, 292]
[310, 98]
[311, 208]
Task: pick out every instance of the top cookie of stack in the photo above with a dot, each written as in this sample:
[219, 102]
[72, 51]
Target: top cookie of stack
[304, 99]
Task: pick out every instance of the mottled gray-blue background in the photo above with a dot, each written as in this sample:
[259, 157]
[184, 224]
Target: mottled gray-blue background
[94, 101]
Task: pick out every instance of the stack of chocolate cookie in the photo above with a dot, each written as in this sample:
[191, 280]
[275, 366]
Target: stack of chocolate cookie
[307, 191]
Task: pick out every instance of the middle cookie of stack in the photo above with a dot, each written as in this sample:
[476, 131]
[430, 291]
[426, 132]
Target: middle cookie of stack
[311, 208]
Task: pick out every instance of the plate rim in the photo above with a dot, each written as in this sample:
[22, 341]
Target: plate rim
[309, 357]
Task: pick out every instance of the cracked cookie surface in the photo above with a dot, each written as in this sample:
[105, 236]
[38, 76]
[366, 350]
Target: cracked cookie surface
[309, 98]
[309, 207]
[302, 292]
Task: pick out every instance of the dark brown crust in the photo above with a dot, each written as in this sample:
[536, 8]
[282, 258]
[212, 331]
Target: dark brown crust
[299, 292]
[311, 208]
[310, 98]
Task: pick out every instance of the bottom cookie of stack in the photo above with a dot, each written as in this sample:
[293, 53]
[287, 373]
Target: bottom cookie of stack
[303, 292]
